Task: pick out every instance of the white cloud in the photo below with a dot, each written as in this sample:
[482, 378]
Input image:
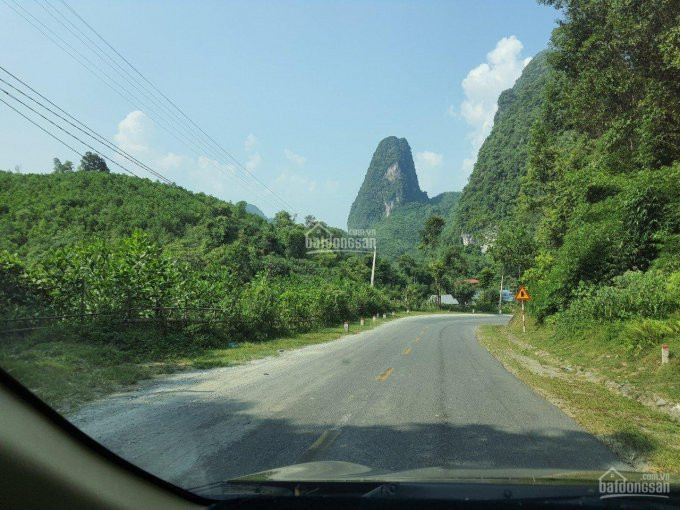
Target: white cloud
[483, 85]
[134, 133]
[206, 163]
[292, 183]
[428, 158]
[250, 143]
[430, 177]
[253, 162]
[254, 159]
[294, 158]
[171, 161]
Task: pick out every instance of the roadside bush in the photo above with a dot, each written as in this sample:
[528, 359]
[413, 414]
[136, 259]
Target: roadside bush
[19, 292]
[259, 309]
[366, 301]
[295, 309]
[641, 334]
[651, 294]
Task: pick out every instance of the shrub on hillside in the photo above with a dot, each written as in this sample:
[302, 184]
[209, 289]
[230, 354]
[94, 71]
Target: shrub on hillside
[650, 294]
[640, 334]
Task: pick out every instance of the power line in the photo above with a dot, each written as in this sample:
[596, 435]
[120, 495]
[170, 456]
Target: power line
[110, 62]
[175, 120]
[87, 131]
[64, 130]
[42, 128]
[179, 110]
[130, 98]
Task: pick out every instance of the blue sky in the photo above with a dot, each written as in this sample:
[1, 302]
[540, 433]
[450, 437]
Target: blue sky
[299, 92]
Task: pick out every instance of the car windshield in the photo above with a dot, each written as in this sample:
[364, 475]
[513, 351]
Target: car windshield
[247, 242]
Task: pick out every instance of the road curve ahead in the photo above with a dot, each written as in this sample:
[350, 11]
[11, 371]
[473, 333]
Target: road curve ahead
[414, 393]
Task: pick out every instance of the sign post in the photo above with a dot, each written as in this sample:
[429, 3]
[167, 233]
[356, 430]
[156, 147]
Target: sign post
[522, 296]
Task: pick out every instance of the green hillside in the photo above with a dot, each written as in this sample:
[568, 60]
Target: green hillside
[399, 233]
[43, 212]
[491, 193]
[580, 176]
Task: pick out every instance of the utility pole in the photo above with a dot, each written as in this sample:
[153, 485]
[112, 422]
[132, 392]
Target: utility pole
[373, 266]
[500, 296]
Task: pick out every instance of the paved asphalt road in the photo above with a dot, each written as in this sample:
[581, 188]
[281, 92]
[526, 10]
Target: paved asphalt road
[414, 393]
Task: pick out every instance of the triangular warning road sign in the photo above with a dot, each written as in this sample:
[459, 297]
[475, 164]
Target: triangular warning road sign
[522, 294]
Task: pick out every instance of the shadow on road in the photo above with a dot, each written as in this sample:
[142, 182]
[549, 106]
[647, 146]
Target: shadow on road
[223, 439]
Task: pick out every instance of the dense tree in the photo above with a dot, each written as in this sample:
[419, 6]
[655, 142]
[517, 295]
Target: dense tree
[91, 162]
[60, 168]
[431, 233]
[600, 192]
[399, 233]
[122, 247]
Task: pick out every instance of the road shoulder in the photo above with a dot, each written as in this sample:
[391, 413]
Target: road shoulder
[644, 437]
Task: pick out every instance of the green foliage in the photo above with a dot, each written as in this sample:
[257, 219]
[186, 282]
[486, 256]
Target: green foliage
[398, 234]
[601, 193]
[20, 292]
[649, 294]
[514, 248]
[463, 291]
[62, 168]
[91, 162]
[645, 333]
[492, 190]
[200, 267]
[42, 213]
[431, 232]
[617, 79]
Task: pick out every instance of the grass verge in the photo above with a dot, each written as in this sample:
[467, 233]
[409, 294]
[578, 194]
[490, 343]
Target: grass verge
[68, 368]
[592, 379]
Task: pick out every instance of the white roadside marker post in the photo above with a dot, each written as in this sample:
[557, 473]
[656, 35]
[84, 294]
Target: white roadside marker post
[361, 322]
[346, 326]
[664, 354]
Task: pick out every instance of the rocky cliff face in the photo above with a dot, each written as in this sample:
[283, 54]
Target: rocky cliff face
[390, 182]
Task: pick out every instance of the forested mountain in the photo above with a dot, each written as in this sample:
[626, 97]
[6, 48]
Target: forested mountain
[597, 213]
[399, 233]
[253, 209]
[391, 201]
[390, 182]
[491, 193]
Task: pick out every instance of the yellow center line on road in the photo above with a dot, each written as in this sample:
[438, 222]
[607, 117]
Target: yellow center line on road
[383, 377]
[407, 350]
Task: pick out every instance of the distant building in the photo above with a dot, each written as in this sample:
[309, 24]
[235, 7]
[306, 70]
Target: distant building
[506, 295]
[447, 299]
